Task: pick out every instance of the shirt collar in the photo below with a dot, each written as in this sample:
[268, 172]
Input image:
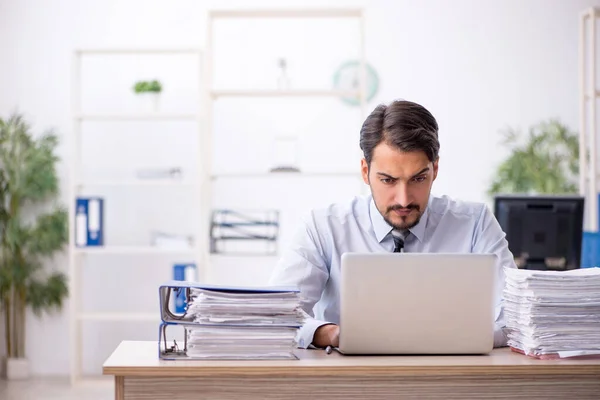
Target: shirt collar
[382, 228]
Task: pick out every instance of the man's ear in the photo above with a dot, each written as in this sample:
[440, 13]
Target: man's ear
[435, 168]
[364, 169]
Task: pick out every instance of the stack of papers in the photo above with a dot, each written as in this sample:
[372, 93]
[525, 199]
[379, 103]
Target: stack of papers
[237, 324]
[553, 314]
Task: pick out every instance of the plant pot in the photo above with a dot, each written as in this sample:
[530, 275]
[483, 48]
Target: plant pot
[149, 102]
[16, 368]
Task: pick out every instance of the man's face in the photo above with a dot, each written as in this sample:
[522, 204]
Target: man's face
[400, 183]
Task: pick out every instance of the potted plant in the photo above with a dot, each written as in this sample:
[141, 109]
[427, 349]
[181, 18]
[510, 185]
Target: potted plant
[150, 90]
[545, 161]
[32, 228]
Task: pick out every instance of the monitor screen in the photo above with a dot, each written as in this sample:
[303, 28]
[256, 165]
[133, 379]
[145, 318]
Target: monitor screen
[543, 232]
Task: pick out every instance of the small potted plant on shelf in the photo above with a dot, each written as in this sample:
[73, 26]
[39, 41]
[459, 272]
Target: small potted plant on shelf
[32, 228]
[150, 91]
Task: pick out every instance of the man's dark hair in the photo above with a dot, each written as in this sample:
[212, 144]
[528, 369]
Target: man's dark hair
[402, 124]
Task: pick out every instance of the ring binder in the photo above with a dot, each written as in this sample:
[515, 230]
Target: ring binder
[225, 322]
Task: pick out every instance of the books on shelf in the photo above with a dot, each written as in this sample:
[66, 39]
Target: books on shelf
[224, 322]
[553, 314]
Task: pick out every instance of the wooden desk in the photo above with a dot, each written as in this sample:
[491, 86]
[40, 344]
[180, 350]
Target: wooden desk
[139, 374]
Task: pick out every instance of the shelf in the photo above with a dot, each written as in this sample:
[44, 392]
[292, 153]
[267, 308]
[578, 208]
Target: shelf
[244, 255]
[116, 316]
[135, 117]
[149, 182]
[131, 250]
[288, 13]
[292, 175]
[283, 93]
[139, 51]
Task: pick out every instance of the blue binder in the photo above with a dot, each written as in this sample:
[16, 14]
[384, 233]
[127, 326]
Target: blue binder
[89, 221]
[183, 272]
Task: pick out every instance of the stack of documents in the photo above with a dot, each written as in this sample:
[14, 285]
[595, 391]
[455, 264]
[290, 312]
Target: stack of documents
[553, 314]
[233, 322]
[243, 324]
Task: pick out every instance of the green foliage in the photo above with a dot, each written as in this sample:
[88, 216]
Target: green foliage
[147, 86]
[28, 179]
[546, 161]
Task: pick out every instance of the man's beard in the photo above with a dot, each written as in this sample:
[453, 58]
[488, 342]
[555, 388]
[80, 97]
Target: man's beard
[405, 224]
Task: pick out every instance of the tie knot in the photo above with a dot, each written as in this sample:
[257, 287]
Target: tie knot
[399, 237]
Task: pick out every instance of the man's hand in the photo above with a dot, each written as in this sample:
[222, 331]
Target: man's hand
[327, 335]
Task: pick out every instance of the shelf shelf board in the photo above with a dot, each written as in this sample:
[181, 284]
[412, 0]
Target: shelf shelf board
[146, 182]
[288, 13]
[284, 93]
[118, 316]
[132, 51]
[292, 175]
[244, 255]
[136, 117]
[131, 250]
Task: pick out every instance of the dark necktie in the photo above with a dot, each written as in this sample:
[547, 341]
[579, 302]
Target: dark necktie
[398, 240]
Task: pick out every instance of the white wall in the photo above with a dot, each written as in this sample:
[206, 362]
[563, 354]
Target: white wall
[479, 66]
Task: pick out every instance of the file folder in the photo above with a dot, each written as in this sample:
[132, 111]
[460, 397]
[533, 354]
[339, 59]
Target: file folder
[183, 272]
[228, 322]
[173, 349]
[89, 221]
[182, 288]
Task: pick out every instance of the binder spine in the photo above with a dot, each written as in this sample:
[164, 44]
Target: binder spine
[89, 221]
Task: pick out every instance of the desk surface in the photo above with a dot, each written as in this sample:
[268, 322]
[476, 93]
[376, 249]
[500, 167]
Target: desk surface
[141, 359]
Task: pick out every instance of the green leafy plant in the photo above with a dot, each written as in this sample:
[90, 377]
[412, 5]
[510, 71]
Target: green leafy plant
[153, 86]
[545, 161]
[32, 228]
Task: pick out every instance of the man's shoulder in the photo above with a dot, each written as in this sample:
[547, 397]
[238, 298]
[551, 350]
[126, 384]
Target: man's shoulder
[340, 212]
[446, 205]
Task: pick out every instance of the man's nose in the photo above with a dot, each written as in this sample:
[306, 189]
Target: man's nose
[402, 195]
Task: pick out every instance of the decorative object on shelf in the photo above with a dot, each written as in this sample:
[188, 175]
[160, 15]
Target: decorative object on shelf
[285, 154]
[150, 92]
[28, 236]
[347, 78]
[160, 173]
[546, 161]
[89, 221]
[244, 232]
[171, 241]
[283, 80]
[186, 273]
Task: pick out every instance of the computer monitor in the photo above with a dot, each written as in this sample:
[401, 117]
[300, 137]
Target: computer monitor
[543, 232]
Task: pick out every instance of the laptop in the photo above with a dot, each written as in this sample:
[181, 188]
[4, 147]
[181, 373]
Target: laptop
[417, 303]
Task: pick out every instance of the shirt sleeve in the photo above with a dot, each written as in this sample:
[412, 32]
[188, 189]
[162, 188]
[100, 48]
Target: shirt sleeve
[489, 238]
[304, 265]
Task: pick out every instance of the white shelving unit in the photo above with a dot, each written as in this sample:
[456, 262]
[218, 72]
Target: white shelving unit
[76, 184]
[588, 127]
[135, 117]
[213, 94]
[132, 250]
[282, 93]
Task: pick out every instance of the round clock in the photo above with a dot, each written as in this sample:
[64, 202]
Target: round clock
[347, 78]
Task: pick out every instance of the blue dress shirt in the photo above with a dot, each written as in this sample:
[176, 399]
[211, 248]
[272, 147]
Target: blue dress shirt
[313, 261]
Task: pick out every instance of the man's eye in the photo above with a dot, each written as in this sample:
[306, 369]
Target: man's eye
[387, 181]
[419, 179]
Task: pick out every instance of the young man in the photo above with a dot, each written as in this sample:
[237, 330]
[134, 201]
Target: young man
[400, 146]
